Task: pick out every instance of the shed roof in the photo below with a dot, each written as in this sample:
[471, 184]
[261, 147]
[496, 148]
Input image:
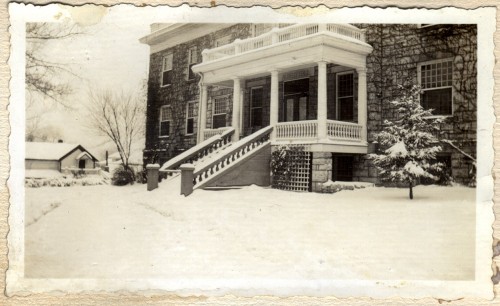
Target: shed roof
[50, 150]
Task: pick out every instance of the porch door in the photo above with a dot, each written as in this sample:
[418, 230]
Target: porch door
[296, 107]
[296, 99]
[345, 96]
[81, 164]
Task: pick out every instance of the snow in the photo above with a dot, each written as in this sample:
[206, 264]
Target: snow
[48, 150]
[42, 173]
[397, 150]
[413, 168]
[342, 183]
[372, 233]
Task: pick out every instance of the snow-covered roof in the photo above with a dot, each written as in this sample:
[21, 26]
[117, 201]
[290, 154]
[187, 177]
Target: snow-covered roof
[83, 154]
[50, 150]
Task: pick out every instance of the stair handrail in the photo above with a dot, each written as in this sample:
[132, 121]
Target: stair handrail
[200, 150]
[236, 150]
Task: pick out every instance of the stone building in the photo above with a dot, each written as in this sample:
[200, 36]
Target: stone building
[323, 87]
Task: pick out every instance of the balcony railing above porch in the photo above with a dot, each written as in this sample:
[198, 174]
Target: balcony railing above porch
[308, 130]
[278, 36]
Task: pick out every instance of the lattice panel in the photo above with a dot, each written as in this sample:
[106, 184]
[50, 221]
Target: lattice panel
[300, 176]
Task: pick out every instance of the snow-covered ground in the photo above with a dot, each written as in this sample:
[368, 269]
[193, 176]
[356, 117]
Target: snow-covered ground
[372, 233]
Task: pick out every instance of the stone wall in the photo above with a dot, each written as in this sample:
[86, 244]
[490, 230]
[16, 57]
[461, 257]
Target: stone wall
[397, 50]
[180, 92]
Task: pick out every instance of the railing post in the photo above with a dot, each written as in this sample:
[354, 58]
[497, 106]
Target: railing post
[187, 177]
[362, 103]
[204, 55]
[203, 112]
[153, 173]
[237, 46]
[274, 111]
[322, 100]
[274, 36]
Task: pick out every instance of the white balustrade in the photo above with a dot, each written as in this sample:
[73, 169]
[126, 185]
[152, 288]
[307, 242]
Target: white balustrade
[277, 36]
[212, 132]
[339, 130]
[297, 129]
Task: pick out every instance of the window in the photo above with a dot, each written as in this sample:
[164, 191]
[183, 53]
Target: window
[256, 97]
[219, 114]
[190, 118]
[165, 119]
[192, 60]
[345, 96]
[261, 28]
[166, 74]
[436, 80]
[223, 41]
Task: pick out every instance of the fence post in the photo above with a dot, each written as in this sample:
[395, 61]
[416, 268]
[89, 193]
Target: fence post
[187, 177]
[153, 171]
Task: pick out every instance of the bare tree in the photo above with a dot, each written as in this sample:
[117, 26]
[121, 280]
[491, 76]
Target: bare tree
[46, 77]
[118, 116]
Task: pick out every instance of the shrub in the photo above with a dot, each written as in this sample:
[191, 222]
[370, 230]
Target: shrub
[122, 176]
[283, 161]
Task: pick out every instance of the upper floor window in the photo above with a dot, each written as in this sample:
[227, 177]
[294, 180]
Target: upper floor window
[256, 99]
[166, 74]
[190, 114]
[219, 113]
[192, 60]
[436, 81]
[165, 120]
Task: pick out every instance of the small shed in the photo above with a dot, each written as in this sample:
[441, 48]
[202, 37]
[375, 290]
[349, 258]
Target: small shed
[57, 156]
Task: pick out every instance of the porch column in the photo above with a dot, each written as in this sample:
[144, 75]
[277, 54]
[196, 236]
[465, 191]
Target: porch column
[362, 103]
[235, 122]
[203, 112]
[274, 109]
[322, 99]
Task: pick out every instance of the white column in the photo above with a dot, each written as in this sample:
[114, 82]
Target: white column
[203, 112]
[322, 99]
[235, 122]
[274, 109]
[362, 103]
[242, 101]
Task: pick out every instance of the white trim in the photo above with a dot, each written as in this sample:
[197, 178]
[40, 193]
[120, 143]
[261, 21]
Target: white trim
[337, 104]
[419, 79]
[187, 117]
[160, 121]
[426, 25]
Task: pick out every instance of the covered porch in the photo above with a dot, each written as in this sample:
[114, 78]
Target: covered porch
[308, 81]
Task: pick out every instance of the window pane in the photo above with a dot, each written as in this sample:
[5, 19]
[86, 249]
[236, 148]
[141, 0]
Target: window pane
[439, 100]
[164, 128]
[190, 126]
[219, 121]
[167, 78]
[303, 108]
[256, 117]
[346, 109]
[165, 113]
[220, 105]
[345, 85]
[257, 97]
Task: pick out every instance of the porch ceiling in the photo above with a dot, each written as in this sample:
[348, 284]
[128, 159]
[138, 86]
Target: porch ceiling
[289, 55]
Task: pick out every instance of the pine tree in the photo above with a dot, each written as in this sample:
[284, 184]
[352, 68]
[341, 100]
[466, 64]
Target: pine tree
[408, 143]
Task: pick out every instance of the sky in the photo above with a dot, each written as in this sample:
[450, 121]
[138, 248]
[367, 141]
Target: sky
[108, 55]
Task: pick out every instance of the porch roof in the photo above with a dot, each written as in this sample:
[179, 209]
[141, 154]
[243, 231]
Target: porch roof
[258, 56]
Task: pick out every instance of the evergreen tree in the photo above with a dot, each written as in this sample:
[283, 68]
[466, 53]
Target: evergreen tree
[408, 143]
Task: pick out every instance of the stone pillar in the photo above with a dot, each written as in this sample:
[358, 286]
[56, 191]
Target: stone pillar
[203, 112]
[321, 169]
[274, 110]
[153, 173]
[235, 122]
[187, 177]
[322, 100]
[362, 103]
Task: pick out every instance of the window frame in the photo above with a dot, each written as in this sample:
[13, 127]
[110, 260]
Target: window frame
[252, 107]
[419, 77]
[337, 100]
[193, 117]
[192, 50]
[163, 70]
[161, 121]
[214, 100]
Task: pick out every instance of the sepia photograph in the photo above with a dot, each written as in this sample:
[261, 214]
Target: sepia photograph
[295, 154]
